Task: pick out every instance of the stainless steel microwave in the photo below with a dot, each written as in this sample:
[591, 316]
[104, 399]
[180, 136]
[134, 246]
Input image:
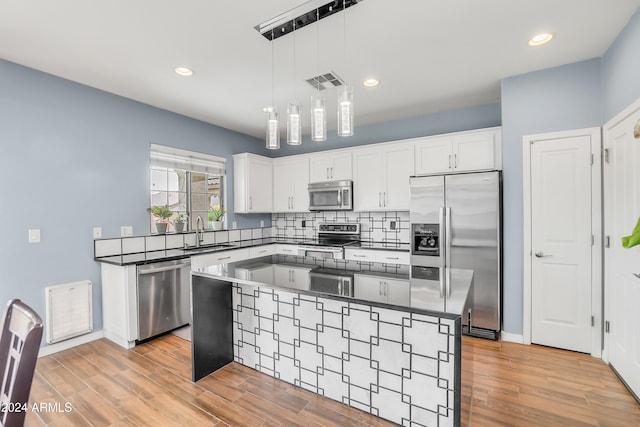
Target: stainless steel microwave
[331, 196]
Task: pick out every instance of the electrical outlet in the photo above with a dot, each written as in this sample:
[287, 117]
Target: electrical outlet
[304, 223]
[126, 231]
[34, 235]
[392, 225]
[97, 232]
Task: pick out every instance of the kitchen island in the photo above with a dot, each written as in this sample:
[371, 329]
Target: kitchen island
[346, 330]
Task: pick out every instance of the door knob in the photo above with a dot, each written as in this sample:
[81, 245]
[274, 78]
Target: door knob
[637, 275]
[541, 254]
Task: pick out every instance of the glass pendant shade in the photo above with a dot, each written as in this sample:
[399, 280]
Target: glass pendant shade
[294, 127]
[345, 111]
[318, 118]
[273, 130]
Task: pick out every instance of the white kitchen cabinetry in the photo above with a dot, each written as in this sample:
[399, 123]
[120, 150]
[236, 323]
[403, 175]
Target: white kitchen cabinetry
[252, 183]
[120, 304]
[257, 274]
[381, 177]
[459, 152]
[334, 166]
[290, 184]
[381, 289]
[376, 255]
[264, 250]
[291, 277]
[282, 249]
[222, 257]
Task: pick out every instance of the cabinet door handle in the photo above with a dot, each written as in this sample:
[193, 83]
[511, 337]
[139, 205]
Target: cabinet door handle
[250, 203]
[327, 173]
[332, 172]
[379, 199]
[449, 161]
[292, 204]
[384, 198]
[455, 161]
[380, 288]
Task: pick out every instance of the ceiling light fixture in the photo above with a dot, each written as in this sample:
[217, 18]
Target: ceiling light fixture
[370, 83]
[294, 126]
[345, 94]
[318, 108]
[273, 127]
[183, 71]
[540, 39]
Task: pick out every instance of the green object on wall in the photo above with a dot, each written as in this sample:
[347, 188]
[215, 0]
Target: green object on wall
[634, 239]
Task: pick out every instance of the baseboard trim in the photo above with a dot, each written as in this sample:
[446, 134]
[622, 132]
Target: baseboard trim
[70, 343]
[509, 337]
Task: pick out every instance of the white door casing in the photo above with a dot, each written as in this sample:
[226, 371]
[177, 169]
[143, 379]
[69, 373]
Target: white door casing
[622, 210]
[562, 280]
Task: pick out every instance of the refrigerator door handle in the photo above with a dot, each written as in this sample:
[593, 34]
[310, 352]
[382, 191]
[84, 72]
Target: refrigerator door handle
[443, 253]
[447, 237]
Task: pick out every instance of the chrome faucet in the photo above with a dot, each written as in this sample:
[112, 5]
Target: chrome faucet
[199, 231]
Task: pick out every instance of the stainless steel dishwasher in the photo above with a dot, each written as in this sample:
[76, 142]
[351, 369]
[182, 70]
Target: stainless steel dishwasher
[163, 297]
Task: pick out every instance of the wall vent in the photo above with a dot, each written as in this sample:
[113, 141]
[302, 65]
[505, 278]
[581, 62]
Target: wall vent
[69, 311]
[325, 81]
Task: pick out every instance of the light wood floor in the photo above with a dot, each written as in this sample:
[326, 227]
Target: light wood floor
[511, 385]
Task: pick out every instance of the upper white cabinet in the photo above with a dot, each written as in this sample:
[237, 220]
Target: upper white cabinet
[459, 152]
[253, 183]
[290, 184]
[381, 177]
[331, 166]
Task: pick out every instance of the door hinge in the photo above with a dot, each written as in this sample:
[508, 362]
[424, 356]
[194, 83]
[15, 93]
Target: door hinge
[606, 155]
[593, 321]
[606, 326]
[607, 242]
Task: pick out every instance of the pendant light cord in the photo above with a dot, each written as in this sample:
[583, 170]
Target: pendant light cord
[273, 79]
[294, 62]
[318, 49]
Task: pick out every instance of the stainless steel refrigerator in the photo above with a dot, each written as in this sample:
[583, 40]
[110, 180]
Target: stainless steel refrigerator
[456, 223]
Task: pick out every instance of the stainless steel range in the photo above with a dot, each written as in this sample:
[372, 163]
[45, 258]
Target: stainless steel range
[331, 241]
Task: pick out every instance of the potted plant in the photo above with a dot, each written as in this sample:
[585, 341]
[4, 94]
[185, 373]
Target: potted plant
[179, 222]
[215, 217]
[162, 215]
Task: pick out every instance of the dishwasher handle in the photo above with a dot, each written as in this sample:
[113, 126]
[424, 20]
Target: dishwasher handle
[165, 268]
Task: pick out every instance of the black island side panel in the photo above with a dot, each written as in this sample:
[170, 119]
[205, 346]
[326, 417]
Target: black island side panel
[211, 326]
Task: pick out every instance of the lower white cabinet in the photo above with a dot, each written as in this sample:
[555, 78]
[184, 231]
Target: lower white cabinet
[376, 255]
[120, 304]
[381, 289]
[291, 277]
[283, 249]
[257, 274]
[264, 250]
[222, 257]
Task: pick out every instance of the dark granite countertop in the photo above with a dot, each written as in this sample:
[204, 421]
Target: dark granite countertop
[180, 253]
[352, 281]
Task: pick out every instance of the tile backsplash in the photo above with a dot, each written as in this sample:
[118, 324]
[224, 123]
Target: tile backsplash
[374, 226]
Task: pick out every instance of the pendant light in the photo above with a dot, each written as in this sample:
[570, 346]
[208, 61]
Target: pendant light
[318, 108]
[294, 126]
[273, 128]
[345, 94]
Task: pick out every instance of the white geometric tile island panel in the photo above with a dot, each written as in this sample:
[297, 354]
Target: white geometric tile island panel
[393, 364]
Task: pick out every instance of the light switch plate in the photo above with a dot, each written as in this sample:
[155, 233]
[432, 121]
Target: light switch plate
[97, 232]
[234, 225]
[262, 223]
[126, 231]
[34, 235]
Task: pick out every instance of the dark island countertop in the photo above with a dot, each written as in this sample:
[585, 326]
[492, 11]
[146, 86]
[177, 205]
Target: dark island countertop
[352, 282]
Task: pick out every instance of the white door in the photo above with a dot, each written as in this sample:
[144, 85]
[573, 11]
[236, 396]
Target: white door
[283, 170]
[367, 180]
[434, 155]
[474, 151]
[561, 243]
[622, 266]
[300, 200]
[398, 167]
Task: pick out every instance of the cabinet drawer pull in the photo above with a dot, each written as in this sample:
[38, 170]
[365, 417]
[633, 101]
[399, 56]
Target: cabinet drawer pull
[359, 256]
[637, 275]
[391, 257]
[224, 257]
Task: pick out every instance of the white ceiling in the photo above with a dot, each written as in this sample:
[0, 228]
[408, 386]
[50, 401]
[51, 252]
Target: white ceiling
[430, 55]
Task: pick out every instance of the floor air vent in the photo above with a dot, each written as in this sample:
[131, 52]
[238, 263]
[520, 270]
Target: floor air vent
[69, 311]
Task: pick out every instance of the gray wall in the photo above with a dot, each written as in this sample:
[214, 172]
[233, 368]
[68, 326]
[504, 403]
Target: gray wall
[73, 158]
[567, 97]
[621, 70]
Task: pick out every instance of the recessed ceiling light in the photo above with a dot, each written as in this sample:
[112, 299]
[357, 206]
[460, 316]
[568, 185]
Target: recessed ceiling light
[183, 71]
[540, 39]
[371, 83]
[267, 109]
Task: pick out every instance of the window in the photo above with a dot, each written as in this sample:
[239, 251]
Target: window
[188, 182]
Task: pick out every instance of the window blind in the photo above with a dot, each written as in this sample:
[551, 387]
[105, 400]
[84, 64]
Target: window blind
[176, 158]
